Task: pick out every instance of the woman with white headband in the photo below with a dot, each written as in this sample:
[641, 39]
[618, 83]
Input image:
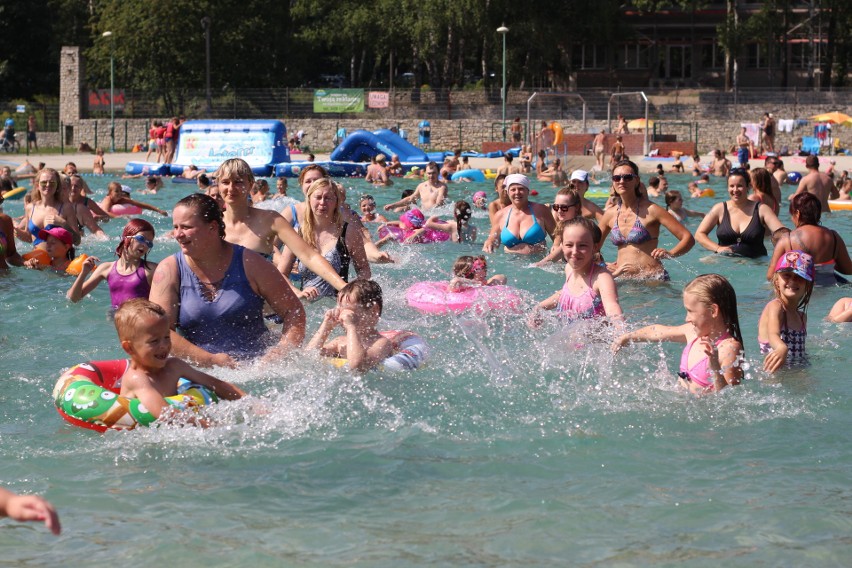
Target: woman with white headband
[523, 226]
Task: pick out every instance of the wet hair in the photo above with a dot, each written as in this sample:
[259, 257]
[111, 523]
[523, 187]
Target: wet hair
[407, 192]
[260, 186]
[808, 206]
[134, 227]
[203, 181]
[587, 224]
[712, 289]
[54, 175]
[310, 218]
[309, 168]
[366, 293]
[761, 181]
[743, 173]
[508, 157]
[463, 267]
[6, 184]
[572, 191]
[463, 213]
[366, 197]
[206, 208]
[672, 195]
[129, 314]
[235, 167]
[654, 182]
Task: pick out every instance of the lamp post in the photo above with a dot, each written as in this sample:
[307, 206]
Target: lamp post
[503, 30]
[205, 23]
[111, 93]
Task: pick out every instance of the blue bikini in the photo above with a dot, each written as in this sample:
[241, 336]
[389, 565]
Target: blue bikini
[534, 235]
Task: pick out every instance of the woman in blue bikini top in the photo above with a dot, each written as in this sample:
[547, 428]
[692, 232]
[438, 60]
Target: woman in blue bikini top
[638, 253]
[523, 226]
[47, 208]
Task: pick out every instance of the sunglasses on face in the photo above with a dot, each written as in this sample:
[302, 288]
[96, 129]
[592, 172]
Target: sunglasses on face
[142, 240]
[563, 208]
[623, 177]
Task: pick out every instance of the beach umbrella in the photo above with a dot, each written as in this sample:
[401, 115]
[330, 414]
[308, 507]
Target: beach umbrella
[833, 117]
[639, 123]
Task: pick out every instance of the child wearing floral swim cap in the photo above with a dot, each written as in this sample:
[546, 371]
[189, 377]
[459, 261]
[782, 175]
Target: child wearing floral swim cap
[782, 329]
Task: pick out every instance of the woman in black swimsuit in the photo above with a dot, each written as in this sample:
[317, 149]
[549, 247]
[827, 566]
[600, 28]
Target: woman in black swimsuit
[740, 223]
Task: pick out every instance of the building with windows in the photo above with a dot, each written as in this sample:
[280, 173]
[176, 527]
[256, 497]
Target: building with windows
[786, 47]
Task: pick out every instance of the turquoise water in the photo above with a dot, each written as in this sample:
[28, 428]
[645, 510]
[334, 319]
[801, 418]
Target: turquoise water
[512, 447]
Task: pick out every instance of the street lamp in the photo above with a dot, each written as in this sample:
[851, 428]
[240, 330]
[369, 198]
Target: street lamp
[111, 92]
[503, 30]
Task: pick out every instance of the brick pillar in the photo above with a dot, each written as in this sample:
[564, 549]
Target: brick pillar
[72, 89]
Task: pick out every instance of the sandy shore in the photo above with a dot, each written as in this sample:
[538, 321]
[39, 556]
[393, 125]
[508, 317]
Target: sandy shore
[116, 162]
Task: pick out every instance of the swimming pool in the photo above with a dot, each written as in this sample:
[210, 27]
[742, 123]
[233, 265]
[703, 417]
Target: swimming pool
[511, 447]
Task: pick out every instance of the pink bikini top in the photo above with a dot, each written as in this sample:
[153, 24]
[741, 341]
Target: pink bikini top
[699, 373]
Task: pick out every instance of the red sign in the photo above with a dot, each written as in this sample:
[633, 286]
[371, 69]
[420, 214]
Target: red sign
[99, 100]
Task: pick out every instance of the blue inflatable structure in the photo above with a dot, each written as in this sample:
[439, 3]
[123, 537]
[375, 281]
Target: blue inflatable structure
[363, 146]
[207, 143]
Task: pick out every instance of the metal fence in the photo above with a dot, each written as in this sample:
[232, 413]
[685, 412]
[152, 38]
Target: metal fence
[434, 104]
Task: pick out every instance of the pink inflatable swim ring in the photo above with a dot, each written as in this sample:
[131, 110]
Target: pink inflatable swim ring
[400, 234]
[123, 209]
[434, 298]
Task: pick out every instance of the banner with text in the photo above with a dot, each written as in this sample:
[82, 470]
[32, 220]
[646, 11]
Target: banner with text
[378, 99]
[339, 100]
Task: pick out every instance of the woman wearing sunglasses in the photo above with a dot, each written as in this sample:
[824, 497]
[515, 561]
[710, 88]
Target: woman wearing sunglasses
[129, 276]
[741, 224]
[567, 205]
[634, 228]
[523, 226]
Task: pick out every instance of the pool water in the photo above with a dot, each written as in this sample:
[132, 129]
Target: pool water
[511, 447]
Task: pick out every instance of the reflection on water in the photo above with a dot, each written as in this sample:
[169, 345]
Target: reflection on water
[511, 446]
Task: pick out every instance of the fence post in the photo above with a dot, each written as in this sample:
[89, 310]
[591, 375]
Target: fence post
[125, 135]
[96, 134]
[460, 136]
[61, 138]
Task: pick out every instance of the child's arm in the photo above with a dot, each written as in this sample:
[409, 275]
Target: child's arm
[691, 213]
[29, 508]
[359, 358]
[414, 237]
[497, 280]
[318, 341]
[141, 386]
[554, 254]
[223, 389]
[81, 287]
[724, 362]
[550, 303]
[656, 332]
[143, 205]
[440, 225]
[404, 201]
[778, 355]
[605, 284]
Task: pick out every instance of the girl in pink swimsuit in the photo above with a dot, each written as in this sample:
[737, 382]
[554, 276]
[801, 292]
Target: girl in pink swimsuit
[589, 290]
[714, 343]
[129, 276]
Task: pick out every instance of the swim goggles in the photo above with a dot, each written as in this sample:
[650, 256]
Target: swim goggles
[142, 240]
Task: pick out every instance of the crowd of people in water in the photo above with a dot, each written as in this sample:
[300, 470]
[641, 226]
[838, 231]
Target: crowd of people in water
[240, 267]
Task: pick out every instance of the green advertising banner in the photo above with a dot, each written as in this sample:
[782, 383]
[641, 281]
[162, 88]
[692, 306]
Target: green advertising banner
[339, 100]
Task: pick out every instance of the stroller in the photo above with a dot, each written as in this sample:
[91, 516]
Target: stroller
[9, 141]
